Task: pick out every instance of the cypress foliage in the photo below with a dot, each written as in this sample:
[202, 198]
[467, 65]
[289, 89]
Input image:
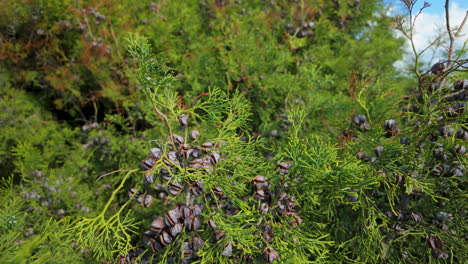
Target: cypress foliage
[226, 132]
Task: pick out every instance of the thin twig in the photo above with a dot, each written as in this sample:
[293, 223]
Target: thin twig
[100, 177]
[166, 120]
[461, 25]
[449, 31]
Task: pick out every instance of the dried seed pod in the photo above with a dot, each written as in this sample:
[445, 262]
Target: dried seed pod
[439, 154]
[158, 224]
[460, 149]
[194, 134]
[404, 141]
[282, 196]
[261, 182]
[361, 156]
[434, 242]
[291, 204]
[444, 227]
[183, 120]
[218, 192]
[176, 229]
[297, 220]
[197, 209]
[171, 161]
[132, 192]
[172, 155]
[359, 119]
[461, 85]
[208, 144]
[188, 222]
[196, 153]
[214, 158]
[268, 237]
[177, 139]
[218, 235]
[462, 134]
[260, 194]
[208, 167]
[192, 223]
[398, 228]
[457, 172]
[155, 245]
[438, 68]
[197, 243]
[186, 147]
[173, 216]
[438, 170]
[148, 163]
[187, 249]
[148, 179]
[227, 250]
[378, 150]
[165, 238]
[270, 254]
[212, 224]
[175, 188]
[184, 211]
[145, 200]
[267, 229]
[151, 233]
[364, 127]
[416, 217]
[390, 127]
[446, 131]
[389, 124]
[347, 134]
[399, 179]
[264, 207]
[197, 223]
[156, 153]
[165, 174]
[197, 164]
[124, 260]
[196, 188]
[284, 165]
[274, 133]
[187, 153]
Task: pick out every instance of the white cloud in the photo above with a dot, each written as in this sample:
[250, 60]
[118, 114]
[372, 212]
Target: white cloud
[428, 27]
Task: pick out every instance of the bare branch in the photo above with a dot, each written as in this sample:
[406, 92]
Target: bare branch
[461, 25]
[449, 31]
[433, 43]
[426, 5]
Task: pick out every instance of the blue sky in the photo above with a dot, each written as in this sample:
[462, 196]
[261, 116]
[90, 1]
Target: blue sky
[437, 6]
[430, 24]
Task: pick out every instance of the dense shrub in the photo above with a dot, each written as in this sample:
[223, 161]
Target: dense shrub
[226, 132]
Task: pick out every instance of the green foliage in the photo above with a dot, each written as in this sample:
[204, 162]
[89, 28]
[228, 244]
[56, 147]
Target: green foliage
[19, 244]
[255, 47]
[107, 236]
[224, 181]
[245, 112]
